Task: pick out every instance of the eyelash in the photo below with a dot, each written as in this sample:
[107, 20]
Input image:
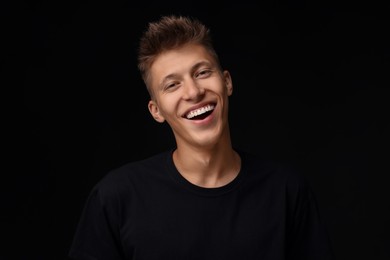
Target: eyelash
[203, 72]
[170, 85]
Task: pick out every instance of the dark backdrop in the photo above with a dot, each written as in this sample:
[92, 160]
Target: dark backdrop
[310, 88]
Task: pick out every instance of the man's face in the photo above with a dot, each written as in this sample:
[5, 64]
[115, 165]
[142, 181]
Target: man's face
[191, 94]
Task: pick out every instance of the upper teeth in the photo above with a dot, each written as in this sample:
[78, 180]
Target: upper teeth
[200, 111]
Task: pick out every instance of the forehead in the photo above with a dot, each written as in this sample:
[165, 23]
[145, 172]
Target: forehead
[178, 61]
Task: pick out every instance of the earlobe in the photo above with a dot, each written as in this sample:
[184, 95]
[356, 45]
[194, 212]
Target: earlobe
[228, 83]
[155, 111]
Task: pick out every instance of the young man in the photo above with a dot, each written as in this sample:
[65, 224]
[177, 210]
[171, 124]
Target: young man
[203, 199]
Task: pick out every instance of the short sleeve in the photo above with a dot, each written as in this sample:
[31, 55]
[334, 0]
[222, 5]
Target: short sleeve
[97, 233]
[307, 234]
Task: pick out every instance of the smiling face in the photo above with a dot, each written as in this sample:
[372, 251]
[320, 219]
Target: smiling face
[190, 92]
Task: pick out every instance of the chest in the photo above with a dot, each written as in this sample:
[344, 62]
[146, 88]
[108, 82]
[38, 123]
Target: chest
[184, 226]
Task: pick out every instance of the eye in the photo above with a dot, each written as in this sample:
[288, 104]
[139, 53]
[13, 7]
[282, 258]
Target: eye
[171, 85]
[203, 73]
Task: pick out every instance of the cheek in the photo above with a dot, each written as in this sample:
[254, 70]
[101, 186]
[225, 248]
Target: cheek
[222, 90]
[168, 106]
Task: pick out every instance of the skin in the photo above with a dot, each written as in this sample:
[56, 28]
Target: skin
[183, 80]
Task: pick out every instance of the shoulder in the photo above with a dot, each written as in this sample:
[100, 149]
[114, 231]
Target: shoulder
[123, 179]
[278, 173]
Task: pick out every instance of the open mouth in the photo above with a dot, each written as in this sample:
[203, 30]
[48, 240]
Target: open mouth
[200, 113]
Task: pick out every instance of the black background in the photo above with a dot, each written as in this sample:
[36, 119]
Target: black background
[310, 82]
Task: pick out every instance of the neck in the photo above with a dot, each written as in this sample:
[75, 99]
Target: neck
[209, 168]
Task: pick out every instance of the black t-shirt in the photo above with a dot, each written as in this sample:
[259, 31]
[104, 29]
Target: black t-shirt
[147, 210]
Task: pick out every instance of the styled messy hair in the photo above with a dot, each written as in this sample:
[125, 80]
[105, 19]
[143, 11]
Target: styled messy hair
[168, 33]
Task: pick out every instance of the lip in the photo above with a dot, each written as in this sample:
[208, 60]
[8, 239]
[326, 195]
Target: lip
[197, 107]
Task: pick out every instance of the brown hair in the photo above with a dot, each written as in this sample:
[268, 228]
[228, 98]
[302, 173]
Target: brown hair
[168, 33]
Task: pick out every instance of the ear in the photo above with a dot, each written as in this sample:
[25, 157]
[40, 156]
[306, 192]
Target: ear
[155, 111]
[228, 82]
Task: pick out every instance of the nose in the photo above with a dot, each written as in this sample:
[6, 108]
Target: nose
[192, 90]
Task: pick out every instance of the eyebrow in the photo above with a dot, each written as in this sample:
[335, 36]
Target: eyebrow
[193, 68]
[200, 64]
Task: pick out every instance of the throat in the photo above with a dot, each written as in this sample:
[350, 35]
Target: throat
[209, 174]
